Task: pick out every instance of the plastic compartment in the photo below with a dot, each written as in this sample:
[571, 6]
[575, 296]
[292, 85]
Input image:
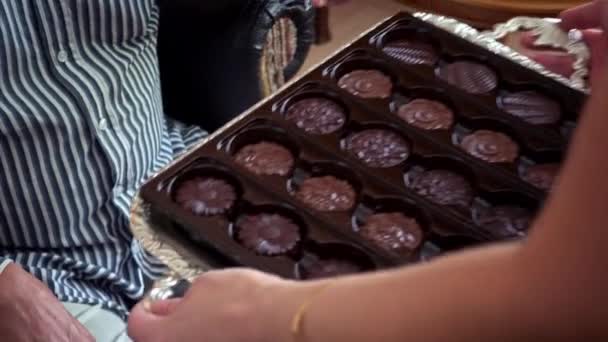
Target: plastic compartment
[360, 62]
[268, 134]
[419, 166]
[395, 153]
[533, 100]
[332, 259]
[425, 50]
[329, 109]
[491, 154]
[403, 97]
[270, 233]
[339, 171]
[452, 243]
[207, 169]
[549, 160]
[504, 214]
[370, 206]
[475, 84]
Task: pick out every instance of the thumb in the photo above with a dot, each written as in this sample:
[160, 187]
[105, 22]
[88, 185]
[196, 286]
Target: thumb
[147, 319]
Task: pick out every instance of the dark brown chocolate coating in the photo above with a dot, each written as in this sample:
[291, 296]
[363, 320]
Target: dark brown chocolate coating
[532, 107]
[327, 193]
[265, 158]
[427, 114]
[505, 221]
[541, 176]
[206, 196]
[393, 232]
[412, 52]
[317, 115]
[314, 267]
[490, 146]
[471, 77]
[443, 187]
[378, 147]
[367, 84]
[268, 234]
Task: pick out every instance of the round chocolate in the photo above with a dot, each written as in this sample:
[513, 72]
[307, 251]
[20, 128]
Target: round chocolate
[427, 114]
[505, 221]
[393, 232]
[268, 234]
[378, 147]
[471, 77]
[317, 115]
[532, 107]
[368, 84]
[206, 196]
[265, 158]
[443, 187]
[541, 176]
[412, 52]
[314, 267]
[327, 193]
[490, 146]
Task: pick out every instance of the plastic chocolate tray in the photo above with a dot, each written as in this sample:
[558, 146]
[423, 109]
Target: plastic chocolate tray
[409, 143]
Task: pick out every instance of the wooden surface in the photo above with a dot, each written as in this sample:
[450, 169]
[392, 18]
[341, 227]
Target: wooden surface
[484, 13]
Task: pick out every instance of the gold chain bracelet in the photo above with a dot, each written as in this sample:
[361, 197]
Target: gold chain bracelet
[298, 318]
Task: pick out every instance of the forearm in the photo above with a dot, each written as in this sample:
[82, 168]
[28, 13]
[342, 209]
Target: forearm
[567, 247]
[466, 297]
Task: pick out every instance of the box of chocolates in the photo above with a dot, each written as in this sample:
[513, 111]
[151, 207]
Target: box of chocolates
[409, 143]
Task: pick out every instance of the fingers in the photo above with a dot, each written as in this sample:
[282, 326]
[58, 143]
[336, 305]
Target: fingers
[596, 40]
[586, 16]
[144, 325]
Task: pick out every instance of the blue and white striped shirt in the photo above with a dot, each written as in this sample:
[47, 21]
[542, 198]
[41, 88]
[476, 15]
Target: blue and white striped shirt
[81, 126]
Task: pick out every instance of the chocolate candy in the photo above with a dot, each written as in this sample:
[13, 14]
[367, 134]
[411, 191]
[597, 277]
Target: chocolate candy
[378, 147]
[206, 196]
[505, 221]
[268, 234]
[427, 114]
[314, 267]
[412, 52]
[327, 193]
[265, 158]
[471, 77]
[317, 115]
[367, 84]
[532, 107]
[393, 232]
[443, 187]
[541, 176]
[490, 146]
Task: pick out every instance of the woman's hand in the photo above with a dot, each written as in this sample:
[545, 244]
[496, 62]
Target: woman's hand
[222, 306]
[586, 18]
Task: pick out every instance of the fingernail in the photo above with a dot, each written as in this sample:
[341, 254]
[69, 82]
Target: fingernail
[147, 305]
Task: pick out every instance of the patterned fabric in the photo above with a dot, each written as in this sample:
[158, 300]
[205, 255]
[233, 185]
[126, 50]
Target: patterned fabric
[279, 51]
[81, 127]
